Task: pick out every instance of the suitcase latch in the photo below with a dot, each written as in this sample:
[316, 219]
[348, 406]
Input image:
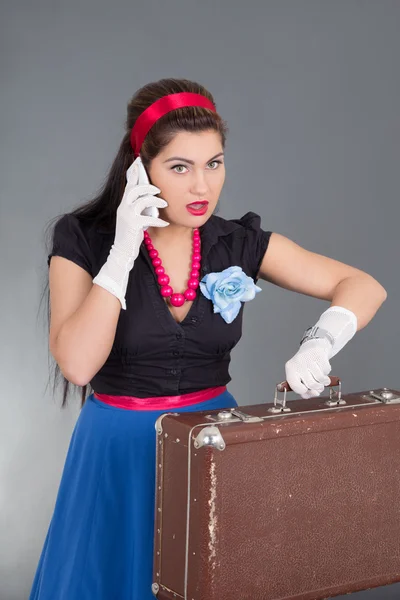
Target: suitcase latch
[245, 417]
[385, 395]
[229, 415]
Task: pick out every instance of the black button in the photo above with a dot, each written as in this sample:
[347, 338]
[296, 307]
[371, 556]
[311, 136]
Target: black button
[175, 353]
[194, 319]
[178, 336]
[174, 371]
[205, 269]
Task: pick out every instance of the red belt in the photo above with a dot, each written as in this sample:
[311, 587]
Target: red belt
[161, 402]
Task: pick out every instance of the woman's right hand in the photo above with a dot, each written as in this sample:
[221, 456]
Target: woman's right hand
[129, 230]
[139, 196]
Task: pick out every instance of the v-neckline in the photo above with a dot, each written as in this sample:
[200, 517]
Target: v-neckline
[191, 309]
[196, 311]
[161, 306]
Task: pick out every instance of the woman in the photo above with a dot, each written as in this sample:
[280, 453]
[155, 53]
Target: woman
[147, 309]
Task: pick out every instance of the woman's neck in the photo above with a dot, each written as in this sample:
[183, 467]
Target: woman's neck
[170, 234]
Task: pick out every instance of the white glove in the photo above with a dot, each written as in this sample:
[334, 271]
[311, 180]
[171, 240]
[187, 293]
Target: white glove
[307, 372]
[138, 197]
[137, 173]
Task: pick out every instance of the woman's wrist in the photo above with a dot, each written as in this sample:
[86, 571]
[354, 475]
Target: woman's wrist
[337, 324]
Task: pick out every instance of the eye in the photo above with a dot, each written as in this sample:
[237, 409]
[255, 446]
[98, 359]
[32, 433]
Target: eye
[177, 167]
[215, 162]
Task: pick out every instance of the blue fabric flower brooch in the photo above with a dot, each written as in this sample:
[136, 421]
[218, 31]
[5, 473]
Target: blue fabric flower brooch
[227, 290]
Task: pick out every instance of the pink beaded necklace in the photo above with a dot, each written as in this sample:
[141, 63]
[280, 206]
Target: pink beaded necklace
[166, 290]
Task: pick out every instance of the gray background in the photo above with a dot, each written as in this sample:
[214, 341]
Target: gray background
[310, 90]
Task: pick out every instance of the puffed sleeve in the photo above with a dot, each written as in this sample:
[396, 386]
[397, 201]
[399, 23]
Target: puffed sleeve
[256, 242]
[70, 242]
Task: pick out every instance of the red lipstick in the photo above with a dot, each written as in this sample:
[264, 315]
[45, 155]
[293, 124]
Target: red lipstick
[198, 208]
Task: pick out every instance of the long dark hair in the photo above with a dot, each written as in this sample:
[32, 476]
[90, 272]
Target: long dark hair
[101, 210]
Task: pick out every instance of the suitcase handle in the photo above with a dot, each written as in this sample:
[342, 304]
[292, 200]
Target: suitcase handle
[285, 387]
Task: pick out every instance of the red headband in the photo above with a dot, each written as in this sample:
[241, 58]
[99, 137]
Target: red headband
[158, 109]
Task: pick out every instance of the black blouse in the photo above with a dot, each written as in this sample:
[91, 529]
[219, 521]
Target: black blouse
[152, 354]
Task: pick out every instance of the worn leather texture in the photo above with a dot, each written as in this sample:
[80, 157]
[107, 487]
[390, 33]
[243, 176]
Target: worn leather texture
[301, 506]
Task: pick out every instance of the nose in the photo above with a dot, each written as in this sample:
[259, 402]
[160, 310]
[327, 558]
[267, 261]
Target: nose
[199, 184]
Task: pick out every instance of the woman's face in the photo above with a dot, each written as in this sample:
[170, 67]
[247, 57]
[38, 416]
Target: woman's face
[189, 170]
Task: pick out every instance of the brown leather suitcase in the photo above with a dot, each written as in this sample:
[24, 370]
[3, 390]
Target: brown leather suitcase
[297, 500]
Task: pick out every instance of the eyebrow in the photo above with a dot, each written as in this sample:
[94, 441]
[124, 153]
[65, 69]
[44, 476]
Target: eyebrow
[191, 162]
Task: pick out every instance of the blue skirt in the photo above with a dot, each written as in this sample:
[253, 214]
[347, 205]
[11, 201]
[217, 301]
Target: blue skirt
[99, 545]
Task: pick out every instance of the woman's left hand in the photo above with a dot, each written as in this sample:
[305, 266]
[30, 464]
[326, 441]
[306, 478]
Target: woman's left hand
[307, 372]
